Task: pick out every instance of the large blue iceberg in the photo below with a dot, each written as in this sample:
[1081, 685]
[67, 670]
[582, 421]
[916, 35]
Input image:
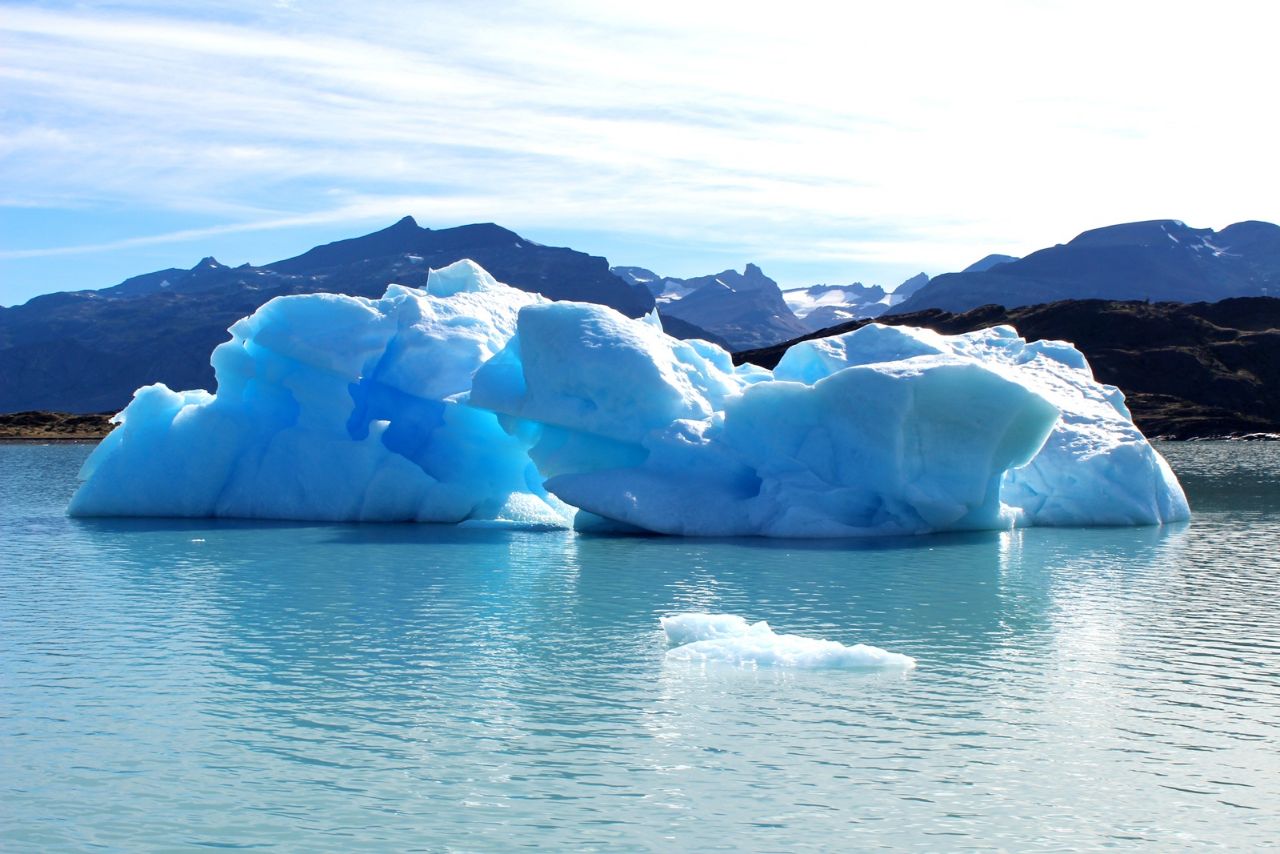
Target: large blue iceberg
[473, 402]
[334, 408]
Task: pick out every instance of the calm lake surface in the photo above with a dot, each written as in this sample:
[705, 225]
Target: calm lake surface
[176, 684]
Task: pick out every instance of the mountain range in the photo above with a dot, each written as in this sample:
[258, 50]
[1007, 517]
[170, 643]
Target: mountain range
[745, 309]
[86, 351]
[820, 306]
[1160, 260]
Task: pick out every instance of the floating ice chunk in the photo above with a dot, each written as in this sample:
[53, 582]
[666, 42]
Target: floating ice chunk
[688, 628]
[334, 408]
[730, 639]
[631, 425]
[475, 402]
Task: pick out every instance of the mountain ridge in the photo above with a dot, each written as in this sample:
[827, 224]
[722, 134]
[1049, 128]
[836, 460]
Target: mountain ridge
[88, 350]
[1157, 260]
[744, 309]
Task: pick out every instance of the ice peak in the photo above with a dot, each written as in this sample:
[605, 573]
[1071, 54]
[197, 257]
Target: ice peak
[465, 276]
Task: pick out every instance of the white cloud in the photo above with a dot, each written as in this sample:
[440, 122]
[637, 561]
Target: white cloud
[894, 132]
[354, 212]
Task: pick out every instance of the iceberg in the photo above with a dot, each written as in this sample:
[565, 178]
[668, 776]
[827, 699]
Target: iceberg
[334, 408]
[731, 640]
[1094, 468]
[884, 430]
[473, 402]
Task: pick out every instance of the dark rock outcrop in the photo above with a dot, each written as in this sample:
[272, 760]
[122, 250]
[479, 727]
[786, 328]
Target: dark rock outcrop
[54, 426]
[677, 328]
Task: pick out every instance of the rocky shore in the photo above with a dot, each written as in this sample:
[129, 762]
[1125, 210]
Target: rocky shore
[54, 426]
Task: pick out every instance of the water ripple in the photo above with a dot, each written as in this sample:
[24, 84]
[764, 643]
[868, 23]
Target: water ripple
[169, 684]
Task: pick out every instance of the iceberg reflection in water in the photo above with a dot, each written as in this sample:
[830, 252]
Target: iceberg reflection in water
[187, 683]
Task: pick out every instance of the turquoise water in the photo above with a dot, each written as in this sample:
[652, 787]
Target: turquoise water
[169, 685]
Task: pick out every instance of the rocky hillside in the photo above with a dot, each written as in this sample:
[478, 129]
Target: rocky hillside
[54, 426]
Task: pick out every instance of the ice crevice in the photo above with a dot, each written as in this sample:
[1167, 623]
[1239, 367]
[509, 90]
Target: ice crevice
[471, 401]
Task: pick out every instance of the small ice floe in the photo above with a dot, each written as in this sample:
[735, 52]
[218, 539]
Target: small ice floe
[729, 639]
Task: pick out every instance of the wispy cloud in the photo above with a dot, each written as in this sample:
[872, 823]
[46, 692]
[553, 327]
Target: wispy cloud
[897, 133]
[360, 212]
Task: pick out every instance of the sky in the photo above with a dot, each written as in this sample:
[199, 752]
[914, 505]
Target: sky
[863, 143]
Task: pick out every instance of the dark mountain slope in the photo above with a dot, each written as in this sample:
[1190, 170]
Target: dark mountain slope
[86, 351]
[743, 308]
[1159, 260]
[982, 265]
[746, 309]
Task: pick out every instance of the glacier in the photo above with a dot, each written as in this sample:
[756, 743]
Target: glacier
[730, 640]
[475, 403]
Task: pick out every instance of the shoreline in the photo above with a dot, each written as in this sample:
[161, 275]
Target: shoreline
[50, 440]
[36, 426]
[45, 426]
[19, 439]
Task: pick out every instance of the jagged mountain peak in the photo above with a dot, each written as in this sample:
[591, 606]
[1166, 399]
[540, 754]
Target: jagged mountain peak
[911, 285]
[751, 278]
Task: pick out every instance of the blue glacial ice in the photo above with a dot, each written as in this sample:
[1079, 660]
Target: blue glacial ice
[334, 408]
[1095, 467]
[730, 639]
[479, 403]
[884, 430]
